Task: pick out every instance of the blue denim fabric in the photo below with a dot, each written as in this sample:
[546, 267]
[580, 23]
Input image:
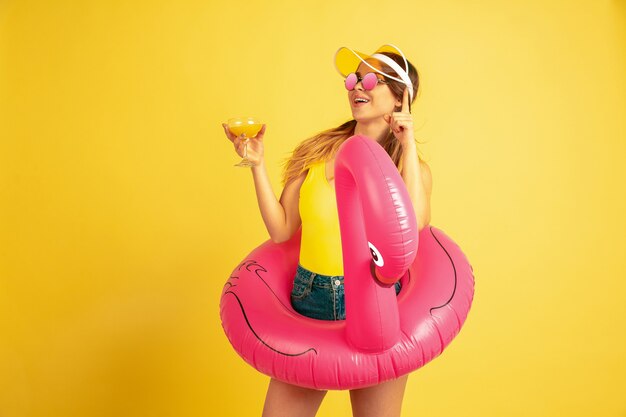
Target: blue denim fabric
[319, 296]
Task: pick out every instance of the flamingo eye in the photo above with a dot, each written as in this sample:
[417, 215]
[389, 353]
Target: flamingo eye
[376, 256]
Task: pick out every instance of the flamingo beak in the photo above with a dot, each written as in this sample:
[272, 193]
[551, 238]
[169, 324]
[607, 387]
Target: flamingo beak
[385, 282]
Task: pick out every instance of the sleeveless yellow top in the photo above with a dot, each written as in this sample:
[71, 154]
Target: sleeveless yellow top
[320, 247]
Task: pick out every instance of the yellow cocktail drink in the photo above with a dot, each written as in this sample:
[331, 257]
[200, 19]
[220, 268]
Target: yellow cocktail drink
[249, 129]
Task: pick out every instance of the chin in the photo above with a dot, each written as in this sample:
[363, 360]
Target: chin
[366, 118]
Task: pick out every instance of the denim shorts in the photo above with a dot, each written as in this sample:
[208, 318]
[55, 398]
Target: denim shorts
[320, 296]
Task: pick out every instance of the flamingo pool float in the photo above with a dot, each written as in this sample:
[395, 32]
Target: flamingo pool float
[384, 336]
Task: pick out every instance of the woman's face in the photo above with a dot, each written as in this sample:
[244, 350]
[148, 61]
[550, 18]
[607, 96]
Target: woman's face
[380, 100]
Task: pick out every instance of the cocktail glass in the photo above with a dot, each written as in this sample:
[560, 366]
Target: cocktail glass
[249, 127]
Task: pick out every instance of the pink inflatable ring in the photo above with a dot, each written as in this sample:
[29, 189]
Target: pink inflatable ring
[384, 336]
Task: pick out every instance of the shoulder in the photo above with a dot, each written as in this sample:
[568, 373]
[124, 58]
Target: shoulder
[300, 178]
[292, 188]
[303, 175]
[295, 180]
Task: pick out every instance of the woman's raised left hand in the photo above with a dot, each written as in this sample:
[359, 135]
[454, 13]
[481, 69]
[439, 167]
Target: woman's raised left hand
[401, 123]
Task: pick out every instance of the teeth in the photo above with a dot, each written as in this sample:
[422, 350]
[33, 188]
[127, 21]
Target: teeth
[361, 100]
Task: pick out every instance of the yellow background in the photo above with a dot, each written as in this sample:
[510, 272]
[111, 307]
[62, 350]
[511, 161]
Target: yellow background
[122, 214]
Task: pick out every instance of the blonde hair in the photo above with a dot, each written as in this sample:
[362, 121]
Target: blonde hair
[324, 145]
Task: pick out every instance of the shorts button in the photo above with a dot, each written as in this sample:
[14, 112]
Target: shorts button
[337, 282]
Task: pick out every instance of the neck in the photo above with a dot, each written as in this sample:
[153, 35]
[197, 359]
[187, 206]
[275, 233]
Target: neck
[376, 129]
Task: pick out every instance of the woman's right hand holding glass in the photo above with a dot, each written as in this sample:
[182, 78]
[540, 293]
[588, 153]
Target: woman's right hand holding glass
[255, 151]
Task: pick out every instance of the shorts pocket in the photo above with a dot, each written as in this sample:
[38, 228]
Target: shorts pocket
[302, 284]
[317, 303]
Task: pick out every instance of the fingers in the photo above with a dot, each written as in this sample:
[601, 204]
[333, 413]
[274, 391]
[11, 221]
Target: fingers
[392, 121]
[405, 100]
[402, 116]
[253, 153]
[239, 145]
[229, 134]
[259, 135]
[399, 121]
[236, 140]
[239, 141]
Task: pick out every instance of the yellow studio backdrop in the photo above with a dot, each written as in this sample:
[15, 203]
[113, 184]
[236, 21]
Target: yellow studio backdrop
[122, 215]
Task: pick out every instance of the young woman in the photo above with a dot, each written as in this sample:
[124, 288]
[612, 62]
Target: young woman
[380, 88]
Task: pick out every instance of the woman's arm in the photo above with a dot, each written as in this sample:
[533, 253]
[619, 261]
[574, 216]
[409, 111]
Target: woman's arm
[282, 218]
[416, 175]
[418, 180]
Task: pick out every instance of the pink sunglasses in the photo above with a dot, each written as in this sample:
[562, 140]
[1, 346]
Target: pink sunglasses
[369, 81]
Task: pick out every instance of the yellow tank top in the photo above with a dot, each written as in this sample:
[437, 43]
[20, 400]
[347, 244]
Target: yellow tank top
[320, 247]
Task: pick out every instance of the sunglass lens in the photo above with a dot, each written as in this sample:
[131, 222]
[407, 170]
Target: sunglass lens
[370, 81]
[351, 81]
